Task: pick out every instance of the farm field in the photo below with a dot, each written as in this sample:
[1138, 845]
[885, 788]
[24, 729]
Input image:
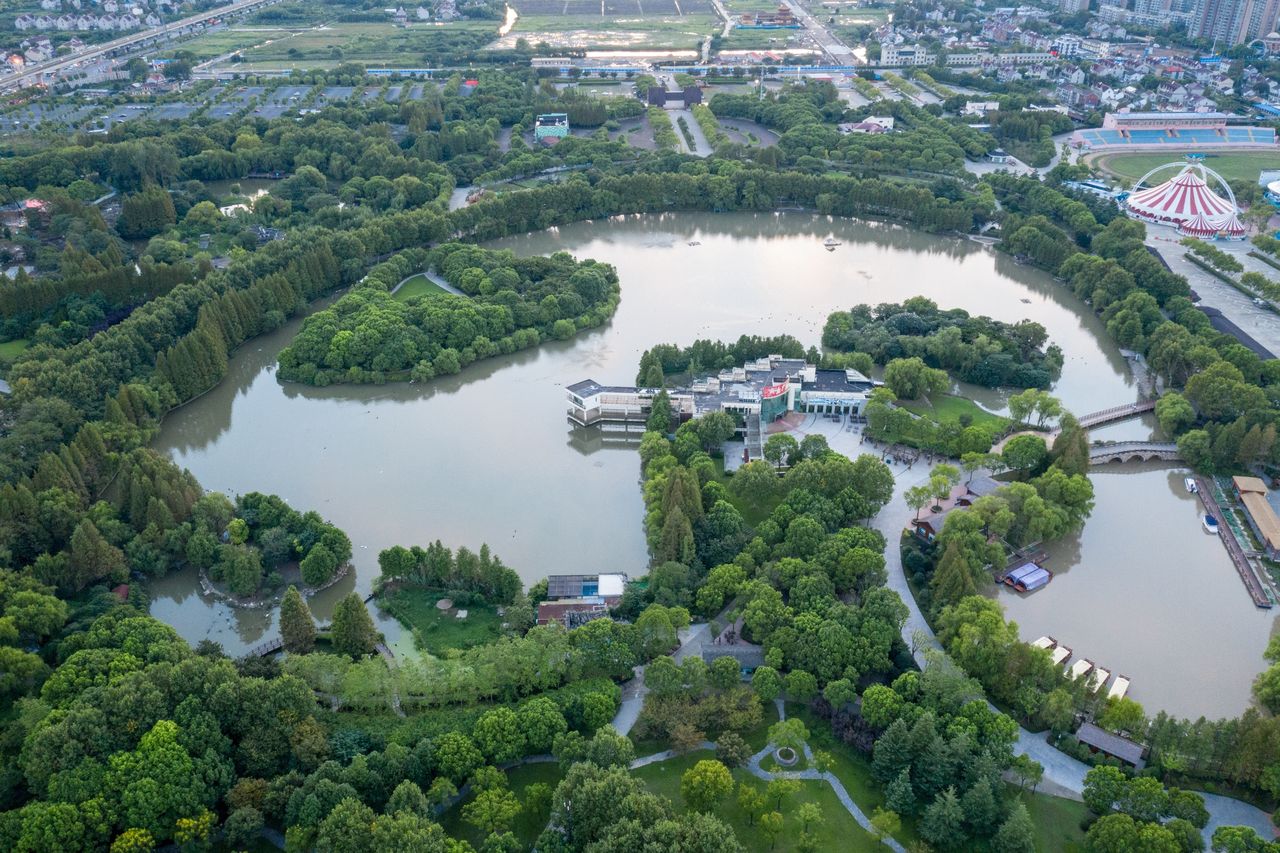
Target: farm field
[327, 45]
[573, 23]
[221, 41]
[1233, 165]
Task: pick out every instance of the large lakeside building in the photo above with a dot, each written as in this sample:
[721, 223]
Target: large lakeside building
[762, 390]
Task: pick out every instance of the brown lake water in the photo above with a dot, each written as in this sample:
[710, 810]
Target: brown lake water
[487, 456]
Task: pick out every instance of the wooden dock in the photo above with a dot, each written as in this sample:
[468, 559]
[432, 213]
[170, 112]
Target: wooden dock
[1205, 490]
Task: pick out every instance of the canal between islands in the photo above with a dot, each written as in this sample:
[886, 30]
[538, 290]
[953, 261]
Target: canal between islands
[488, 457]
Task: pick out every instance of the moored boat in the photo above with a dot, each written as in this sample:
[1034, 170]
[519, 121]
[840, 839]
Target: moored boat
[1211, 525]
[1190, 483]
[1119, 687]
[1080, 668]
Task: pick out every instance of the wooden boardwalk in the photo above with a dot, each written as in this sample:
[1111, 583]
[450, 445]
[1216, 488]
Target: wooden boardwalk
[1206, 490]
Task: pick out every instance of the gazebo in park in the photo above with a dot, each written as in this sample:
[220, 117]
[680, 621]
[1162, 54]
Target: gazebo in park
[1197, 201]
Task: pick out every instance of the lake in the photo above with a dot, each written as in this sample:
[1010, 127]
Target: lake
[487, 456]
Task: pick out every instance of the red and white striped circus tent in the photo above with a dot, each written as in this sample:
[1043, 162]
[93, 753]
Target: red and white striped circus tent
[1183, 197]
[1232, 227]
[1197, 226]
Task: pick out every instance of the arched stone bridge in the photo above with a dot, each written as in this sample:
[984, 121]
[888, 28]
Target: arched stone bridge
[1133, 451]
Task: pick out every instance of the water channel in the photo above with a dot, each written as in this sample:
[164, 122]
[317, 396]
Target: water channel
[487, 456]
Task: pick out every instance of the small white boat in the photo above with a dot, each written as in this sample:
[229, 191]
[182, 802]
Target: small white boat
[1119, 687]
[1060, 654]
[1211, 525]
[1190, 483]
[1097, 679]
[1080, 668]
[1044, 643]
[831, 243]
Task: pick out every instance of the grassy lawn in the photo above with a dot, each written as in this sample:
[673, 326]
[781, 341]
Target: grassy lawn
[526, 828]
[9, 350]
[838, 830]
[850, 767]
[1057, 822]
[439, 630]
[419, 285]
[1239, 165]
[947, 407]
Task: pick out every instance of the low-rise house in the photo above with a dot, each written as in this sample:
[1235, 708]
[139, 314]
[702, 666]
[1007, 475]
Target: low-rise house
[1252, 494]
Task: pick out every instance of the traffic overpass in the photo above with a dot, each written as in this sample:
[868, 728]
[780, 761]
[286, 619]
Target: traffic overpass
[41, 71]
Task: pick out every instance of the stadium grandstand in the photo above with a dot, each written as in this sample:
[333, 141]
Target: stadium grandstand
[1180, 130]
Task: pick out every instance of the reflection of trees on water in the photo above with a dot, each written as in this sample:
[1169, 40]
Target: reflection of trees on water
[755, 226]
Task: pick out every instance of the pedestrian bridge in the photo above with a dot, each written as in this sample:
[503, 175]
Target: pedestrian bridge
[1133, 451]
[1116, 414]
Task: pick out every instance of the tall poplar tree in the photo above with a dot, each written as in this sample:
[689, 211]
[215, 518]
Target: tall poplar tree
[297, 627]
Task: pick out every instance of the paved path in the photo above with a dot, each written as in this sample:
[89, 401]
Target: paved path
[1063, 775]
[634, 691]
[842, 793]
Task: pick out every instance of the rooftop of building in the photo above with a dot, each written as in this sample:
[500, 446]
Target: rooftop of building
[1111, 744]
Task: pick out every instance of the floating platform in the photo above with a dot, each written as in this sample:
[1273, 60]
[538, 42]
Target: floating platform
[1080, 668]
[1119, 687]
[1028, 577]
[1044, 643]
[1059, 654]
[1098, 679]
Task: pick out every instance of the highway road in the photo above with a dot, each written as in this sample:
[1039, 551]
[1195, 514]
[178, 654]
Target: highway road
[39, 71]
[836, 50]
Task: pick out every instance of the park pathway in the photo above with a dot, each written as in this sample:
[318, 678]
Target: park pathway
[634, 691]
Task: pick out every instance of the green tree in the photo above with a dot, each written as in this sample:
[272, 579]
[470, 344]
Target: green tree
[297, 627]
[780, 789]
[732, 750]
[493, 810]
[899, 795]
[771, 826]
[1103, 788]
[1016, 834]
[911, 378]
[766, 683]
[943, 821]
[751, 801]
[790, 733]
[705, 785]
[1024, 452]
[781, 449]
[885, 823]
[352, 631]
[499, 735]
[755, 482]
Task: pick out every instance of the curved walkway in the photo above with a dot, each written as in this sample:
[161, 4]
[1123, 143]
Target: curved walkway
[1063, 775]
